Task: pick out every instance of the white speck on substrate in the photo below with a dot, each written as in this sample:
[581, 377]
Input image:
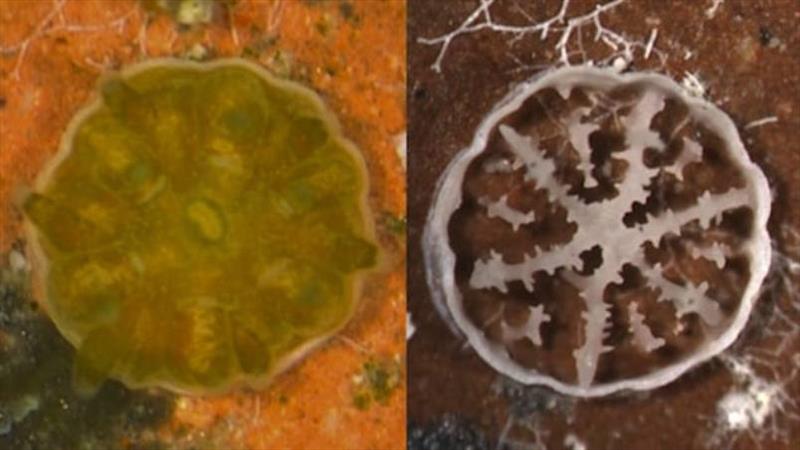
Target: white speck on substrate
[693, 85]
[194, 11]
[741, 410]
[400, 142]
[197, 52]
[17, 261]
[650, 42]
[572, 442]
[712, 10]
[620, 64]
[410, 328]
[761, 122]
[752, 401]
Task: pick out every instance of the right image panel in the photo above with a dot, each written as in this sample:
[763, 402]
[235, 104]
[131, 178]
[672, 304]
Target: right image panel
[603, 225]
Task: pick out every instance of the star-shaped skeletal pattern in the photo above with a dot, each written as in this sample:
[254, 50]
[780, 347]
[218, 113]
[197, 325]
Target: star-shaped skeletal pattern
[600, 223]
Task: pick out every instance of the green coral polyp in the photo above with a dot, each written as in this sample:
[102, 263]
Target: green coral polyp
[201, 226]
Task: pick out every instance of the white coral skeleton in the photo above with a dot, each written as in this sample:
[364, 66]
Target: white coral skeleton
[600, 224]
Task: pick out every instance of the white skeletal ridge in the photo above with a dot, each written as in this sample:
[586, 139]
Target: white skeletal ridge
[599, 224]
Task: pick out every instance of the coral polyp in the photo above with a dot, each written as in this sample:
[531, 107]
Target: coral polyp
[603, 232]
[202, 226]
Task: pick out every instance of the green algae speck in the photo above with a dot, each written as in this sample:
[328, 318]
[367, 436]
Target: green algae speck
[202, 226]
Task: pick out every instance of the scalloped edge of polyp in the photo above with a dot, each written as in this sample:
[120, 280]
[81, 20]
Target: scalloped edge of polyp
[39, 262]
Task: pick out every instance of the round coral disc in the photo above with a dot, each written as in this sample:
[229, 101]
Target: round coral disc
[602, 232]
[202, 225]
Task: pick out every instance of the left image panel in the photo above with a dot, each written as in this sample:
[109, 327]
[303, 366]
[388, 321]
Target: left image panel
[202, 224]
